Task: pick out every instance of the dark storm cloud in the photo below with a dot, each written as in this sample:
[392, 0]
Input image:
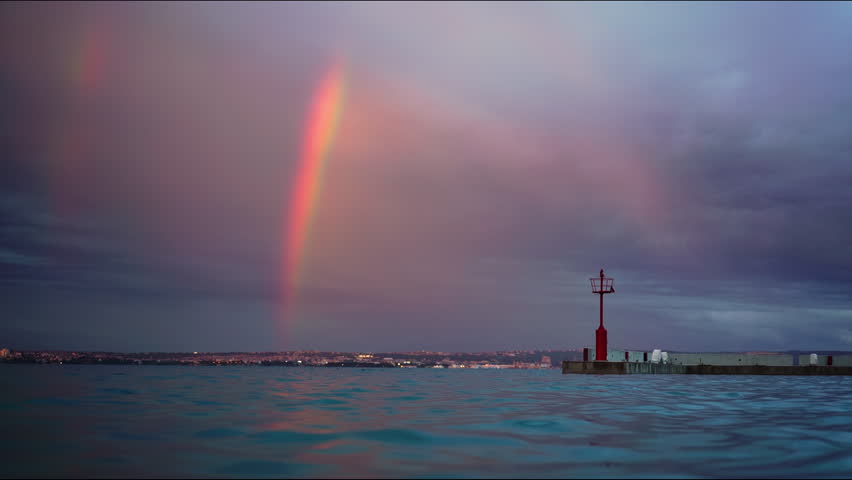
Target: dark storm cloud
[490, 158]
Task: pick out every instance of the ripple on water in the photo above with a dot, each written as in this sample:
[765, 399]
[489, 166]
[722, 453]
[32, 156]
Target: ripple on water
[393, 435]
[119, 391]
[54, 402]
[219, 433]
[260, 467]
[290, 437]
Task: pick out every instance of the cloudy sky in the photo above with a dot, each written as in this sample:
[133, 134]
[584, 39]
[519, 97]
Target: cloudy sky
[488, 159]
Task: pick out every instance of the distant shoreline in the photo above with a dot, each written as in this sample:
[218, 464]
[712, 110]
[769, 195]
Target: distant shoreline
[516, 359]
[522, 359]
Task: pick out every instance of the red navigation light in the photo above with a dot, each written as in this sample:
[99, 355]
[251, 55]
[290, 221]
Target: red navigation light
[601, 286]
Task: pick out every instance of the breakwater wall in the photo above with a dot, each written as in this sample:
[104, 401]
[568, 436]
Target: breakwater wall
[625, 368]
[728, 359]
[620, 368]
[731, 359]
[633, 356]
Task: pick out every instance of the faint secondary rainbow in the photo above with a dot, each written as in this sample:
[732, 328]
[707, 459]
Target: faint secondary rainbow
[73, 142]
[89, 60]
[323, 116]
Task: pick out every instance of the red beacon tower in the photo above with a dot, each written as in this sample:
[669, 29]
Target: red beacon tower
[601, 286]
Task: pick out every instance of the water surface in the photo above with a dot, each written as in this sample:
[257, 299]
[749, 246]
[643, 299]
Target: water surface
[144, 421]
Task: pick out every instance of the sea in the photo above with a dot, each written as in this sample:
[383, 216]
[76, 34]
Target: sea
[256, 422]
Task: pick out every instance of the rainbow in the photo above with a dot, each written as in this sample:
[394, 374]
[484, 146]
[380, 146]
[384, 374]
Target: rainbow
[322, 119]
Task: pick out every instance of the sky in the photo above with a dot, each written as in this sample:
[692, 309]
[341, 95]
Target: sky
[381, 176]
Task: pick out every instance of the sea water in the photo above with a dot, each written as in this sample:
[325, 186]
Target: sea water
[180, 421]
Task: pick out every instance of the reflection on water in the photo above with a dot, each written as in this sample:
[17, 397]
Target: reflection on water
[140, 421]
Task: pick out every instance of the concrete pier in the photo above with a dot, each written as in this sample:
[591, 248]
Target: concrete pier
[619, 368]
[602, 368]
[767, 370]
[626, 368]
